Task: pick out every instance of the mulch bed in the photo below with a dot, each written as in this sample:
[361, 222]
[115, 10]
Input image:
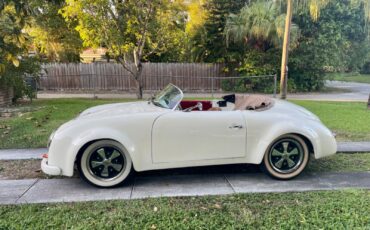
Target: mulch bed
[22, 169]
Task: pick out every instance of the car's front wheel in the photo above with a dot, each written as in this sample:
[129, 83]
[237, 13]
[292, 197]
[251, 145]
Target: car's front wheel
[105, 163]
[286, 157]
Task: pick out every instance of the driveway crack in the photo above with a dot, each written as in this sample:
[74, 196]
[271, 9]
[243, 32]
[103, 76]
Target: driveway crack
[132, 188]
[228, 182]
[33, 184]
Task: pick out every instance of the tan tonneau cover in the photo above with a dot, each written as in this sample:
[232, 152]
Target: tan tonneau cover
[253, 102]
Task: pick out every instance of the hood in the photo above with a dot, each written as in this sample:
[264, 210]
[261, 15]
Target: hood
[120, 109]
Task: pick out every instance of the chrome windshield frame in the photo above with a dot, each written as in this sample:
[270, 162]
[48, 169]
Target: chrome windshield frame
[181, 96]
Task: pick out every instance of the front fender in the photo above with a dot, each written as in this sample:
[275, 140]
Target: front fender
[65, 148]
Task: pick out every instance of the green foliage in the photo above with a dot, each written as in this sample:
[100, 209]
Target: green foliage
[13, 41]
[255, 63]
[15, 64]
[260, 24]
[52, 37]
[208, 44]
[15, 77]
[366, 68]
[330, 44]
[129, 29]
[133, 31]
[337, 40]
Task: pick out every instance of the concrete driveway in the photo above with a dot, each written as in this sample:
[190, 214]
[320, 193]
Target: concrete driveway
[167, 185]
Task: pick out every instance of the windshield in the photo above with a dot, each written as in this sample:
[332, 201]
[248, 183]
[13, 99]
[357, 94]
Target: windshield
[169, 97]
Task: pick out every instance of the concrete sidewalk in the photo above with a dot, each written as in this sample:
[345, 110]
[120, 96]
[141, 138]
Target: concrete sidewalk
[25, 154]
[72, 190]
[22, 154]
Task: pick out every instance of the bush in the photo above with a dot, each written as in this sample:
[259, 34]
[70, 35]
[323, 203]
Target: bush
[255, 63]
[16, 77]
[249, 84]
[366, 68]
[306, 69]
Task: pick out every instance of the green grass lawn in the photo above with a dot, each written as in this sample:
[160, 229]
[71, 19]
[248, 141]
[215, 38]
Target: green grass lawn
[33, 129]
[341, 162]
[347, 209]
[349, 120]
[350, 77]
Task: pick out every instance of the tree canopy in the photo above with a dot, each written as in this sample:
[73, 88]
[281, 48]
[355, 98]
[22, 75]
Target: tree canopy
[53, 39]
[247, 35]
[132, 31]
[260, 24]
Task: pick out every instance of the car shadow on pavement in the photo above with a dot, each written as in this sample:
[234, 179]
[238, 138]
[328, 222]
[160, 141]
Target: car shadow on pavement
[219, 169]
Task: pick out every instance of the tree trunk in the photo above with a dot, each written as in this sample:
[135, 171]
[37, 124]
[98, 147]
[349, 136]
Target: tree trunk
[139, 93]
[284, 58]
[139, 81]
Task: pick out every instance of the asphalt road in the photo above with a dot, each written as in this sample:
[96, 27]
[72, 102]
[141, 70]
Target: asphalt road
[351, 92]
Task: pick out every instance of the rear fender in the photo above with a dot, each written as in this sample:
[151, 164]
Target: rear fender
[256, 148]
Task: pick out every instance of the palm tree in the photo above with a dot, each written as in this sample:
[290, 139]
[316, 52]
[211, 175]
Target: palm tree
[315, 6]
[262, 21]
[257, 24]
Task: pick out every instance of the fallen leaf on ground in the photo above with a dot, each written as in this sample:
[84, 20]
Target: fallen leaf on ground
[217, 206]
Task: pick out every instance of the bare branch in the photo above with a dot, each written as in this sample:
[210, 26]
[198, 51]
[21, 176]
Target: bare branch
[125, 65]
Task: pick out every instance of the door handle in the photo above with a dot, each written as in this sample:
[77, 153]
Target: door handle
[233, 126]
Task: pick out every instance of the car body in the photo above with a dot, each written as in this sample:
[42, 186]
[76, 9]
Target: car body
[154, 136]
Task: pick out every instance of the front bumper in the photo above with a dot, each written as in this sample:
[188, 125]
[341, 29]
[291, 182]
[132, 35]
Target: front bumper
[49, 169]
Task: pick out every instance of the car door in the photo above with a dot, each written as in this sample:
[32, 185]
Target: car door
[195, 136]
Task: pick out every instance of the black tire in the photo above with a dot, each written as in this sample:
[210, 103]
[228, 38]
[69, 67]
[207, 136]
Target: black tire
[105, 164]
[286, 157]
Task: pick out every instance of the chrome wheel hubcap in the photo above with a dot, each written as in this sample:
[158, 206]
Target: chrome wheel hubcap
[106, 163]
[286, 155]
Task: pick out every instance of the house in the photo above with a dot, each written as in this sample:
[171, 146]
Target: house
[90, 55]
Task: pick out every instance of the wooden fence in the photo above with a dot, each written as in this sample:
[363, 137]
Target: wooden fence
[6, 95]
[111, 76]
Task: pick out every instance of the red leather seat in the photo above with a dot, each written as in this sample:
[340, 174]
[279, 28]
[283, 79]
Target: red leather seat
[186, 104]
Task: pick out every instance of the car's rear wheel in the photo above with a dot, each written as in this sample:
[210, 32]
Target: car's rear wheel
[286, 157]
[105, 163]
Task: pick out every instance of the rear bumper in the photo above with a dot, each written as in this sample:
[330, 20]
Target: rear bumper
[49, 169]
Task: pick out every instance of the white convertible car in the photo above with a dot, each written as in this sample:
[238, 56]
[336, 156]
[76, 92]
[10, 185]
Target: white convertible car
[107, 142]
